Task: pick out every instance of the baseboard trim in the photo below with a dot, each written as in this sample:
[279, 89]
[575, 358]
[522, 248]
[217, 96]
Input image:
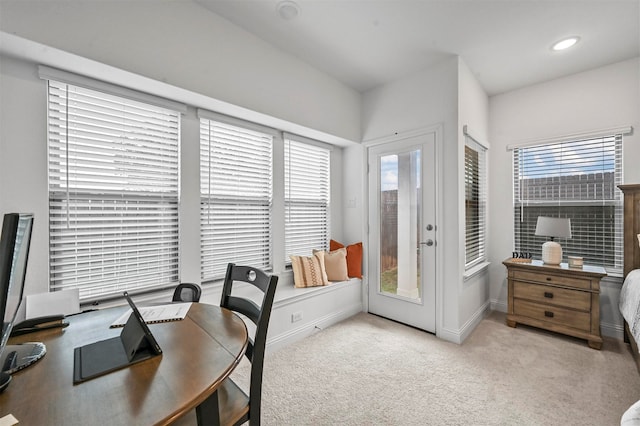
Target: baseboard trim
[459, 336]
[303, 331]
[498, 305]
[612, 330]
[475, 320]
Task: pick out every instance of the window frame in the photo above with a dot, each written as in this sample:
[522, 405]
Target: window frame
[607, 220]
[476, 186]
[211, 269]
[317, 157]
[91, 164]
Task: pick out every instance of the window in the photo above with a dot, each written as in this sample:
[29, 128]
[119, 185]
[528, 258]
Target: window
[235, 197]
[475, 200]
[113, 193]
[578, 180]
[307, 168]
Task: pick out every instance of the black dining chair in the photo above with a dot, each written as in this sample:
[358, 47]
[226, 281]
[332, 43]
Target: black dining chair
[234, 406]
[187, 292]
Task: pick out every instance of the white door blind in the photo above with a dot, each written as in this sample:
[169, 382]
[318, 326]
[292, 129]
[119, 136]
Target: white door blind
[307, 188]
[113, 193]
[577, 180]
[475, 179]
[235, 198]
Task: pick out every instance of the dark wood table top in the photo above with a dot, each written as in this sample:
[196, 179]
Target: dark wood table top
[199, 352]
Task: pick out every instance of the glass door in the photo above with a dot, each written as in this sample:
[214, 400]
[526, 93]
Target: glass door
[402, 231]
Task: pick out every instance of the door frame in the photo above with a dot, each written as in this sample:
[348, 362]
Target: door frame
[438, 130]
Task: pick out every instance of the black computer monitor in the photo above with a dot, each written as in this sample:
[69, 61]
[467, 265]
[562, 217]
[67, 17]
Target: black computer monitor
[15, 241]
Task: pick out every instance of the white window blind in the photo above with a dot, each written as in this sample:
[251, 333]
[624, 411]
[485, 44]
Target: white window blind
[576, 179]
[307, 188]
[113, 193]
[475, 179]
[235, 197]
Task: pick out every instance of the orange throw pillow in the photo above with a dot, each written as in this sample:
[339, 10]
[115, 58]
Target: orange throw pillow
[354, 257]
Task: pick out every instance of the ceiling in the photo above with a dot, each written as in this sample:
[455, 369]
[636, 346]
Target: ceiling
[505, 43]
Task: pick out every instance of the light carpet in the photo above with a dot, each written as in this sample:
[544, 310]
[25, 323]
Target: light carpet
[368, 370]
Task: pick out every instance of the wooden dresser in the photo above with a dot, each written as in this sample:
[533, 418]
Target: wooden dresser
[556, 298]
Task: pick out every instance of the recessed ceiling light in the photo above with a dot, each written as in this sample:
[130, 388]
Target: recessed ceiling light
[288, 9]
[565, 43]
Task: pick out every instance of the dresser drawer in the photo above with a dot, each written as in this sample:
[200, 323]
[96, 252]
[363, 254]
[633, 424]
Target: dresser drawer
[553, 314]
[574, 299]
[543, 278]
[556, 298]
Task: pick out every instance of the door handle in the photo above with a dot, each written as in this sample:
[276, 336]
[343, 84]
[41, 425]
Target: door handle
[427, 243]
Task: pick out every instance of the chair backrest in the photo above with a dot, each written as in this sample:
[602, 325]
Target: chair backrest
[187, 292]
[259, 315]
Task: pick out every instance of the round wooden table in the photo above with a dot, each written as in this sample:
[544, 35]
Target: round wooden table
[199, 352]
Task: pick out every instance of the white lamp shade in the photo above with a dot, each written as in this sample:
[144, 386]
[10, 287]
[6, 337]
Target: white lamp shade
[553, 227]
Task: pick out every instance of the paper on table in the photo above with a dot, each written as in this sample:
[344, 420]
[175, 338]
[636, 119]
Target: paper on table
[155, 314]
[64, 302]
[8, 420]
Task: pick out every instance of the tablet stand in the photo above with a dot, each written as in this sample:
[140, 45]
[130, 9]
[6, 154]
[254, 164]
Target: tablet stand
[105, 356]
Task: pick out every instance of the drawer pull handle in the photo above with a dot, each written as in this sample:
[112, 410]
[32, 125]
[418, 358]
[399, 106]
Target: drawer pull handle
[548, 295]
[548, 314]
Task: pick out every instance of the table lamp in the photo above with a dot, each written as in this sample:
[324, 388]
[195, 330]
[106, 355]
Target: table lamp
[553, 227]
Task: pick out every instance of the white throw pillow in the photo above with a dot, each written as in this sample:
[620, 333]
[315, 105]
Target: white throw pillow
[335, 264]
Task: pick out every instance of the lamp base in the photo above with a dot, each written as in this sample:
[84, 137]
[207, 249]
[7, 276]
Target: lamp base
[551, 253]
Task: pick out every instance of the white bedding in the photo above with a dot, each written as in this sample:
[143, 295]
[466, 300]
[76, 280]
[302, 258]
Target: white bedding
[630, 302]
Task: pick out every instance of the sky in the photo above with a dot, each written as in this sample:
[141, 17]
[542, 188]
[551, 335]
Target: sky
[389, 171]
[559, 159]
[568, 158]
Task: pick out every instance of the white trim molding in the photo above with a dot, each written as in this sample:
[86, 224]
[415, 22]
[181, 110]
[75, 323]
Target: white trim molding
[465, 131]
[620, 130]
[398, 136]
[48, 73]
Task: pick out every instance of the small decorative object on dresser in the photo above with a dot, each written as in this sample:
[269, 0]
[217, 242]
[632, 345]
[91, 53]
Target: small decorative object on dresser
[575, 262]
[521, 257]
[556, 298]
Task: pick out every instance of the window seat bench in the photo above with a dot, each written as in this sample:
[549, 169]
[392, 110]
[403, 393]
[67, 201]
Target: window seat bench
[300, 312]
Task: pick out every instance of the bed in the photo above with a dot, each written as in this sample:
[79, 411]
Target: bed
[630, 293]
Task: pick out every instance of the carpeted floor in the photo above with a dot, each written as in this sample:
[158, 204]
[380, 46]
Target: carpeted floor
[368, 370]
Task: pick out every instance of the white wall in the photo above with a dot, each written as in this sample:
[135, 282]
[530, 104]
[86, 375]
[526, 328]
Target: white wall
[598, 99]
[169, 48]
[420, 101]
[23, 159]
[353, 197]
[473, 112]
[189, 197]
[185, 45]
[450, 95]
[24, 187]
